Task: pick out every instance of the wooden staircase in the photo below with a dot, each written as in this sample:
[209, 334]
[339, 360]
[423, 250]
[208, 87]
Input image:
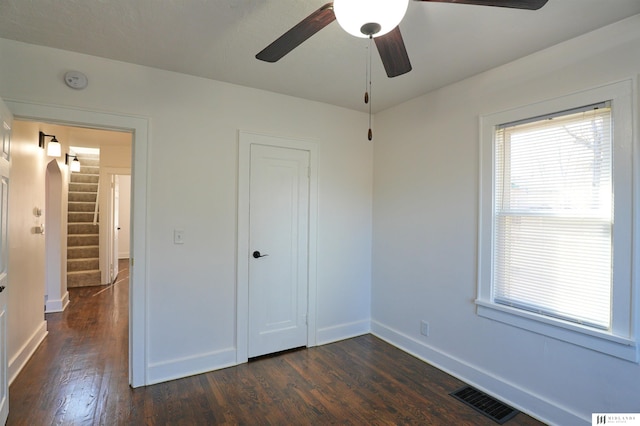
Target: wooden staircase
[83, 242]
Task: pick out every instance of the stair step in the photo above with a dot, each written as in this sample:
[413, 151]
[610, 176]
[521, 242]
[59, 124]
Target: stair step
[80, 217]
[87, 264]
[82, 228]
[93, 162]
[85, 197]
[84, 278]
[89, 169]
[82, 240]
[82, 206]
[78, 177]
[83, 187]
[83, 252]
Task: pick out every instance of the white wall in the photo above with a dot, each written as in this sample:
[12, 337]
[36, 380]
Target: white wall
[425, 198]
[55, 217]
[26, 289]
[116, 156]
[192, 179]
[425, 235]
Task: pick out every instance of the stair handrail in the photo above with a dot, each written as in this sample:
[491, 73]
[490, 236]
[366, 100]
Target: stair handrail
[95, 210]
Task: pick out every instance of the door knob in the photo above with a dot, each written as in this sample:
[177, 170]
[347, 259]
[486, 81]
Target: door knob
[257, 255]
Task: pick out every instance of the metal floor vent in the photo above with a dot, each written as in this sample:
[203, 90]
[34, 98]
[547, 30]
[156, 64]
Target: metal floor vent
[485, 404]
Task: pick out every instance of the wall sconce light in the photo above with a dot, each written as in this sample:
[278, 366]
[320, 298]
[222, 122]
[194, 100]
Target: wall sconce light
[53, 147]
[75, 163]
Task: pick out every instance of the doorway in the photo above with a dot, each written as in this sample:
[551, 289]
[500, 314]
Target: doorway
[137, 283]
[277, 234]
[115, 232]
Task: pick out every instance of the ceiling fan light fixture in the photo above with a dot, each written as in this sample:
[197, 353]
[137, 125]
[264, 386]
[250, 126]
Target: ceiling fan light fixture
[358, 17]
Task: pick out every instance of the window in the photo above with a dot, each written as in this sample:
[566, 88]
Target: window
[555, 248]
[553, 215]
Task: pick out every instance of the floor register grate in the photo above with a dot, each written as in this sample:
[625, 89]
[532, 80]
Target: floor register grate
[485, 404]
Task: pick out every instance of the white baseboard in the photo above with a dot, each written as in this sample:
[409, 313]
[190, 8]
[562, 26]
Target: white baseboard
[342, 331]
[19, 360]
[522, 399]
[190, 366]
[58, 305]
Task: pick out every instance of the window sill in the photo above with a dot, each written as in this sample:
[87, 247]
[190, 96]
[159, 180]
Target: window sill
[599, 341]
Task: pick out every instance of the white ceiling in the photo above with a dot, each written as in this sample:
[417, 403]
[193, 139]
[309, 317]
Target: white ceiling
[218, 39]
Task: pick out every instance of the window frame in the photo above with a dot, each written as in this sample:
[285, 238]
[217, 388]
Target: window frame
[621, 339]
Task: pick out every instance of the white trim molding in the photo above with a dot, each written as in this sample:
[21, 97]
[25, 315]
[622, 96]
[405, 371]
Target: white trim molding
[343, 331]
[500, 387]
[191, 365]
[57, 305]
[17, 363]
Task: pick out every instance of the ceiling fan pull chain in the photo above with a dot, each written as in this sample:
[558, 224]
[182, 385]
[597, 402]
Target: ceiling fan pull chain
[366, 75]
[367, 100]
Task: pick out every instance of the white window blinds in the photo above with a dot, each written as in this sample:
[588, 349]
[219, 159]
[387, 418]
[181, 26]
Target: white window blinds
[553, 213]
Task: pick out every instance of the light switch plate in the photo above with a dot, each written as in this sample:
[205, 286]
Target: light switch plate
[424, 328]
[178, 236]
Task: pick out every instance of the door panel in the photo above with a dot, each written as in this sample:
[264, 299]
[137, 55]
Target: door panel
[5, 166]
[112, 210]
[115, 228]
[278, 230]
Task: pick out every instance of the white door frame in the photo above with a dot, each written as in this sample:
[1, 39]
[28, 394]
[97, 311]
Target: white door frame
[245, 140]
[138, 323]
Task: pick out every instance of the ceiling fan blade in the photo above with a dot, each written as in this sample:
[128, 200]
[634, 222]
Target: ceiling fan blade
[514, 4]
[298, 34]
[393, 53]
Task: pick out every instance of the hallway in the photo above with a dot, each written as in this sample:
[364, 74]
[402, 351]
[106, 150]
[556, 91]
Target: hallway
[79, 374]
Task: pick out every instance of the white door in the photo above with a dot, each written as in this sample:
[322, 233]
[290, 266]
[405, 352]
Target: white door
[112, 226]
[115, 228]
[124, 215]
[5, 166]
[278, 249]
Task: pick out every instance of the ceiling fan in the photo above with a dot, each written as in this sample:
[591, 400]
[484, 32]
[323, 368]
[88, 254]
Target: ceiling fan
[377, 19]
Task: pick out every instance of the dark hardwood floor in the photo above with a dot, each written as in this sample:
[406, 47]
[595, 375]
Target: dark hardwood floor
[78, 376]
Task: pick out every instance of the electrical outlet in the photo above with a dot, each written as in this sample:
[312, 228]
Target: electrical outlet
[424, 328]
[178, 236]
